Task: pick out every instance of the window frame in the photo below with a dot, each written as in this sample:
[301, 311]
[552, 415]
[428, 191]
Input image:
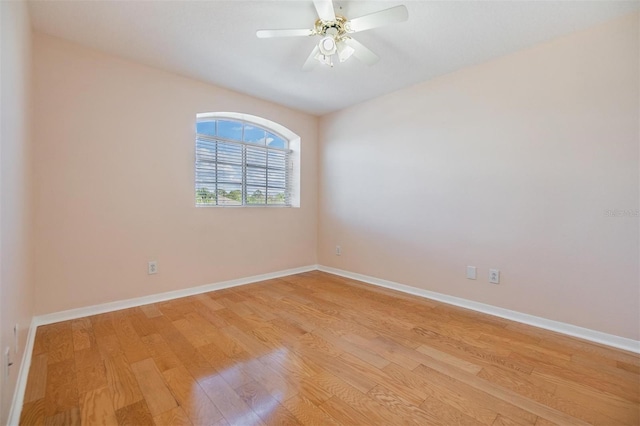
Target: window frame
[291, 157]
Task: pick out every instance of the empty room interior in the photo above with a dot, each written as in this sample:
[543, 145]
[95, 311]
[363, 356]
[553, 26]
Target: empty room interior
[320, 212]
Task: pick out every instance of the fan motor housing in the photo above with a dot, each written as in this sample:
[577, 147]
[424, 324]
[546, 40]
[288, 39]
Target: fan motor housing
[337, 28]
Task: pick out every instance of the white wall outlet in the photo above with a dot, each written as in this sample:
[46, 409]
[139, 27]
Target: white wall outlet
[7, 361]
[494, 276]
[471, 272]
[338, 250]
[153, 267]
[15, 339]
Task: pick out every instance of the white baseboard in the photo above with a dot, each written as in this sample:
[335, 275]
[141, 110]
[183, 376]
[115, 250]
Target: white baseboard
[161, 297]
[557, 326]
[23, 374]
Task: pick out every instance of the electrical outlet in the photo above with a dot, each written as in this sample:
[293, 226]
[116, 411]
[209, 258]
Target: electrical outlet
[471, 272]
[494, 276]
[7, 362]
[15, 339]
[153, 267]
[338, 250]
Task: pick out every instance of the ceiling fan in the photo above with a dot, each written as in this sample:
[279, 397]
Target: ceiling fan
[335, 32]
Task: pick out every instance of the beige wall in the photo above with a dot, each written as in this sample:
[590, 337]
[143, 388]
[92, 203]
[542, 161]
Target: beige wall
[510, 164]
[16, 285]
[113, 158]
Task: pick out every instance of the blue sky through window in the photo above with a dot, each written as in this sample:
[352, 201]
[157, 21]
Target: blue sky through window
[206, 128]
[274, 141]
[254, 135]
[230, 130]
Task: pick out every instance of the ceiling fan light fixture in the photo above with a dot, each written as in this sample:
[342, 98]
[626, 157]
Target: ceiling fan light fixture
[335, 33]
[327, 46]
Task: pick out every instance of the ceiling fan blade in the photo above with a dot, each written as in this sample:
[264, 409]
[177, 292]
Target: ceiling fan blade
[311, 60]
[283, 33]
[325, 10]
[378, 19]
[361, 52]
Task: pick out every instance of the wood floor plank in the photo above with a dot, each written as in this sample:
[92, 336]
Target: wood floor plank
[317, 343]
[238, 374]
[70, 417]
[362, 403]
[596, 380]
[210, 303]
[232, 407]
[289, 363]
[174, 417]
[280, 386]
[594, 414]
[270, 411]
[102, 324]
[121, 382]
[505, 421]
[92, 377]
[156, 394]
[151, 310]
[60, 344]
[89, 357]
[396, 404]
[61, 391]
[635, 369]
[452, 360]
[81, 323]
[346, 372]
[307, 412]
[141, 322]
[212, 316]
[521, 383]
[160, 352]
[343, 412]
[97, 408]
[593, 402]
[33, 413]
[175, 309]
[393, 383]
[37, 380]
[136, 414]
[311, 389]
[81, 338]
[516, 405]
[355, 350]
[448, 414]
[462, 349]
[544, 422]
[195, 336]
[249, 343]
[191, 397]
[391, 352]
[129, 339]
[189, 357]
[316, 348]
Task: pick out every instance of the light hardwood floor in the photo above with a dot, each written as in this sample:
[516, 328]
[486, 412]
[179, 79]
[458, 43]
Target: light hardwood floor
[318, 349]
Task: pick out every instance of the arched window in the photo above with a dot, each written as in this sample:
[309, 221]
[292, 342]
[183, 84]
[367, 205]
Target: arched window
[243, 160]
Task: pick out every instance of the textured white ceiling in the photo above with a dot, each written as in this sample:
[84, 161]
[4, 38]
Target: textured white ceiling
[214, 41]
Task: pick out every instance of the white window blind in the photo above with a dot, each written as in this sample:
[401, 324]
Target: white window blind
[241, 164]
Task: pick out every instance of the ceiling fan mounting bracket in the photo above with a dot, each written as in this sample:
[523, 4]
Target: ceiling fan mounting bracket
[337, 29]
